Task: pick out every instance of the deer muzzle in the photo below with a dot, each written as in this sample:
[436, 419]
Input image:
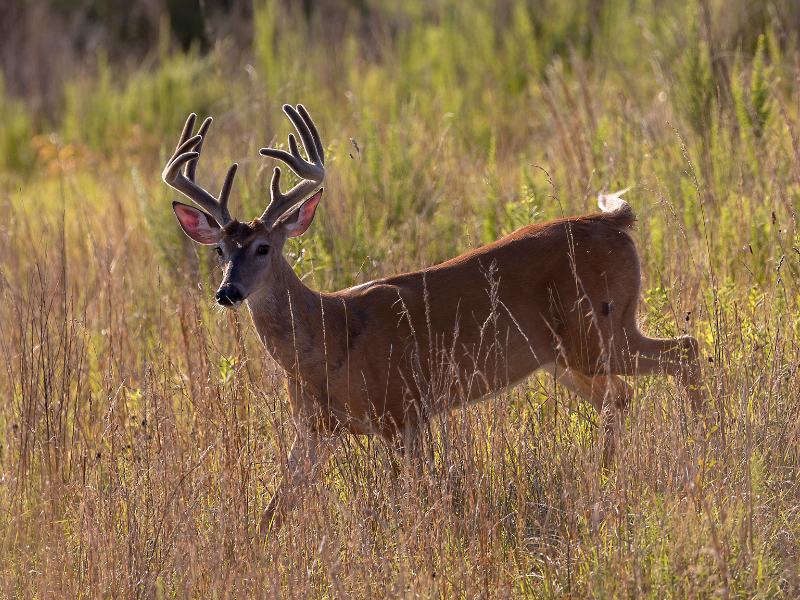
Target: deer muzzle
[229, 295]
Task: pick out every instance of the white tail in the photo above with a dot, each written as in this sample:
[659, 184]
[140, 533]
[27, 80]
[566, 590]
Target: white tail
[613, 202]
[381, 357]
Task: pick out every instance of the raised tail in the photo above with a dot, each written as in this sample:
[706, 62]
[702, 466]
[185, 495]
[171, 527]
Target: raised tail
[615, 210]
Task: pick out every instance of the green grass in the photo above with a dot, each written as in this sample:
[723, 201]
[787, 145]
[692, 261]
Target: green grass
[142, 429]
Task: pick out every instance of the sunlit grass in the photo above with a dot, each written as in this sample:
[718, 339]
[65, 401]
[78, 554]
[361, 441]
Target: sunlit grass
[143, 429]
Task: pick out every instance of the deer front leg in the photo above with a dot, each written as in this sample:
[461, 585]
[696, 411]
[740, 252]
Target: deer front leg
[307, 446]
[609, 395]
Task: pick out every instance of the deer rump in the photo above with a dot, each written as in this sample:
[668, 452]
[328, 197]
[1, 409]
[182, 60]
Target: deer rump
[551, 293]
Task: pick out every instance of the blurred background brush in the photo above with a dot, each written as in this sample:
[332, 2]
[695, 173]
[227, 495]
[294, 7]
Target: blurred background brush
[142, 429]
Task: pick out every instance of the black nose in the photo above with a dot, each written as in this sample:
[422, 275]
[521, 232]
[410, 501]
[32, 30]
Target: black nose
[229, 295]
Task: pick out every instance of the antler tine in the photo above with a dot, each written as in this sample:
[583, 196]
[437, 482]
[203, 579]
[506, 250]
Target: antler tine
[305, 133]
[187, 131]
[227, 186]
[187, 154]
[191, 168]
[314, 133]
[312, 171]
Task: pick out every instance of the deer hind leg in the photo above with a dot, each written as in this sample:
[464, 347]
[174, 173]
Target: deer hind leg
[406, 446]
[308, 454]
[673, 356]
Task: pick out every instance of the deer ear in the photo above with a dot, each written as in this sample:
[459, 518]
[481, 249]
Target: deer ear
[196, 224]
[298, 220]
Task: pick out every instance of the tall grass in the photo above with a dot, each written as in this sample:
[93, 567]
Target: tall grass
[143, 430]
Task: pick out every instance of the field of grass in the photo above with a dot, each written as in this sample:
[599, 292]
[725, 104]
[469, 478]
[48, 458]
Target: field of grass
[142, 429]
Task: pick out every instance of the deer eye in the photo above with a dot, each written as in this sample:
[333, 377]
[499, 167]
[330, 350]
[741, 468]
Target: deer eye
[219, 250]
[262, 249]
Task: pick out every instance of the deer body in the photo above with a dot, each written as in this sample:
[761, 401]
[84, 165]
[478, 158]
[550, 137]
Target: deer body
[362, 357]
[380, 357]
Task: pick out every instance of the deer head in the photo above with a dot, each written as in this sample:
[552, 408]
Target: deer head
[248, 252]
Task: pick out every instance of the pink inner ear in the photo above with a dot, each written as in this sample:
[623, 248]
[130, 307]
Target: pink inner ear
[305, 216]
[196, 224]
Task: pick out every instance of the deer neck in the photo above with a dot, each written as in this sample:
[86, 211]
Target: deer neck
[289, 319]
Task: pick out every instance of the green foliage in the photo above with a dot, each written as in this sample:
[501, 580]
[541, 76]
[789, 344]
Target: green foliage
[697, 86]
[136, 105]
[754, 105]
[15, 134]
[760, 91]
[490, 225]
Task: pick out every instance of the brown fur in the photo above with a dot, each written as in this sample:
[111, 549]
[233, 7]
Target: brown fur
[377, 356]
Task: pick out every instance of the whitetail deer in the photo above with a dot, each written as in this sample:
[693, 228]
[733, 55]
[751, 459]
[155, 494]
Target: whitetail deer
[382, 356]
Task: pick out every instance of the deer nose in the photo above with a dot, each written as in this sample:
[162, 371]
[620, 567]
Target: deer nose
[229, 295]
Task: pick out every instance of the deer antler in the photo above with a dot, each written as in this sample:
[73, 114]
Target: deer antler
[312, 171]
[188, 153]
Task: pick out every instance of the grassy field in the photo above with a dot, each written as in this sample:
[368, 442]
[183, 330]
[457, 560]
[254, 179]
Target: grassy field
[143, 429]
